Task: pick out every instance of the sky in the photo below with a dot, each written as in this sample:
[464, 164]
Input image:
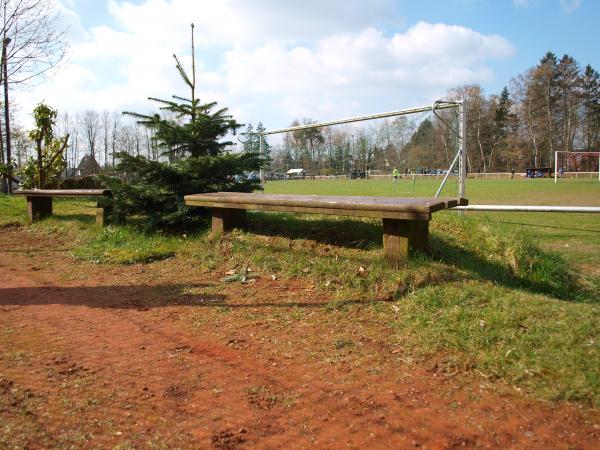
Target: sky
[274, 61]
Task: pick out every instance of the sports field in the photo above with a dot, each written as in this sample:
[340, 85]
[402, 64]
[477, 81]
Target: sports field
[517, 191]
[577, 236]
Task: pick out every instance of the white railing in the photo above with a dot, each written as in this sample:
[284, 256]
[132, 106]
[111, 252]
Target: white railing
[530, 208]
[472, 176]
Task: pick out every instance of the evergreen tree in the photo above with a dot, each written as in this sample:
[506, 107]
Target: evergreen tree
[501, 126]
[591, 108]
[191, 128]
[418, 150]
[191, 136]
[568, 90]
[251, 142]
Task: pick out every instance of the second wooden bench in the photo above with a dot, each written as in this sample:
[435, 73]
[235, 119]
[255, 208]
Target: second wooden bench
[39, 201]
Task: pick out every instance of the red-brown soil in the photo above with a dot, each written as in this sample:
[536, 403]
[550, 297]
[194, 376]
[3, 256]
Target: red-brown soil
[164, 355]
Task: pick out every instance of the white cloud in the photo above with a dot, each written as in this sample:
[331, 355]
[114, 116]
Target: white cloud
[274, 60]
[362, 69]
[569, 6]
[566, 6]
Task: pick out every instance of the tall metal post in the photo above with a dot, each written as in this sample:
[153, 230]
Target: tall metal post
[260, 151]
[556, 167]
[462, 165]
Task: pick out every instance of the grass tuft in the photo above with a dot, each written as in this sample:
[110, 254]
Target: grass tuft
[126, 245]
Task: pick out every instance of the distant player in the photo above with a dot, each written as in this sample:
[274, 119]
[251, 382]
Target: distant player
[395, 175]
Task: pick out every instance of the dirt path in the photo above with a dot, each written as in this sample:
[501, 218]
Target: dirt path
[165, 356]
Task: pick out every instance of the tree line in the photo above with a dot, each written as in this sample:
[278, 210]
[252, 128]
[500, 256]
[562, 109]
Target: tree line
[553, 106]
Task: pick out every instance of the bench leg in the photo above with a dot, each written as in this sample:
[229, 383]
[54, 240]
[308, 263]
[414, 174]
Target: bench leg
[402, 236]
[226, 219]
[39, 207]
[101, 214]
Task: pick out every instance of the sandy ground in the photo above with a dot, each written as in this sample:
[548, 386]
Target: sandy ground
[165, 356]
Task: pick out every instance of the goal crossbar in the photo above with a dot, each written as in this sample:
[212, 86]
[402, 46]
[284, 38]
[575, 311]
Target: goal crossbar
[400, 112]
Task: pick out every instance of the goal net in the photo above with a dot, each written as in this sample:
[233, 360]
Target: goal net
[415, 152]
[576, 165]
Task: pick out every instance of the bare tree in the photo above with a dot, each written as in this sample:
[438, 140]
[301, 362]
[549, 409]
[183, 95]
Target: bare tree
[90, 124]
[116, 123]
[106, 133]
[32, 44]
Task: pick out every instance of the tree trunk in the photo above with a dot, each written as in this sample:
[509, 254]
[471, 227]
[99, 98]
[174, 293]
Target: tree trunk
[532, 134]
[40, 166]
[479, 144]
[5, 42]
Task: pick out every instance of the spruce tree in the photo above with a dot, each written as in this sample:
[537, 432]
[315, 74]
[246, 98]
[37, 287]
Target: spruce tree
[191, 127]
[190, 135]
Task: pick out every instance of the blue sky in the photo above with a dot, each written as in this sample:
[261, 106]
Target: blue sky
[274, 61]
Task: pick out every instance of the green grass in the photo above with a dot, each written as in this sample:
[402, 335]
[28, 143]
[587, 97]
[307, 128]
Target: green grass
[576, 236]
[127, 245]
[13, 211]
[517, 191]
[512, 298]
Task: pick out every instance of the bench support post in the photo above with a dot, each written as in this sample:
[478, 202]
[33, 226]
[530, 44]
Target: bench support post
[402, 236]
[226, 219]
[39, 207]
[101, 214]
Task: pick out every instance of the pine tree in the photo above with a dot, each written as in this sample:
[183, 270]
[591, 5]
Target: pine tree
[591, 108]
[190, 134]
[191, 128]
[500, 126]
[252, 140]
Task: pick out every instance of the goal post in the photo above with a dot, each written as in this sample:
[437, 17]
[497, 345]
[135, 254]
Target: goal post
[458, 158]
[569, 163]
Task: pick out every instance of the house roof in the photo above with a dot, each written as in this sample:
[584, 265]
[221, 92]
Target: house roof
[88, 165]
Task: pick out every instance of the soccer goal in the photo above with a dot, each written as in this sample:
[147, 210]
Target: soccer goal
[424, 144]
[576, 165]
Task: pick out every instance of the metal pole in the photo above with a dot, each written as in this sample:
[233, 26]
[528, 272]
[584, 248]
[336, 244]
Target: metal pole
[462, 171]
[555, 167]
[260, 151]
[441, 105]
[437, 194]
[529, 208]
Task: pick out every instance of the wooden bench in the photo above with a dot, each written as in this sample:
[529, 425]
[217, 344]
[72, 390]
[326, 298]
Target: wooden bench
[405, 220]
[39, 201]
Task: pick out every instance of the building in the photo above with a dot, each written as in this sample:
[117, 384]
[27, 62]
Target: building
[87, 166]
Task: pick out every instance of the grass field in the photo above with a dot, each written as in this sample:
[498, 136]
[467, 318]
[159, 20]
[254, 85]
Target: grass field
[577, 236]
[512, 297]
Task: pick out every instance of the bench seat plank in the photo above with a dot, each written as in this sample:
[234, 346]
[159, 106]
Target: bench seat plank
[63, 192]
[380, 207]
[405, 220]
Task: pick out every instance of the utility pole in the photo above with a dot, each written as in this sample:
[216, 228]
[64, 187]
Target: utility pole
[7, 113]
